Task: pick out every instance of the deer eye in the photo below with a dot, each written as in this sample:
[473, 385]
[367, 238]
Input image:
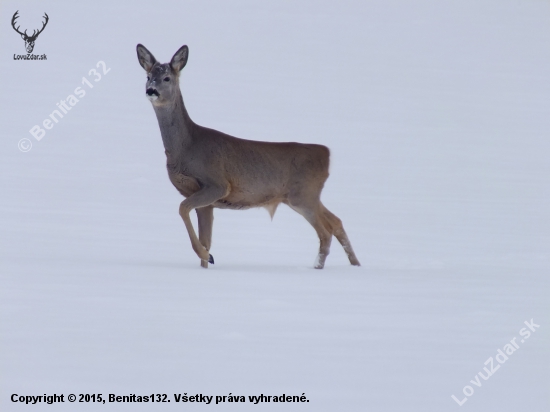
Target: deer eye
[148, 78]
[167, 79]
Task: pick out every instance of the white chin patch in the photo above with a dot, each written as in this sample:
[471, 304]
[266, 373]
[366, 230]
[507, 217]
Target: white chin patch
[152, 97]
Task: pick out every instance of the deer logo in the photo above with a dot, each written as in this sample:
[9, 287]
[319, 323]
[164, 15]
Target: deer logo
[29, 40]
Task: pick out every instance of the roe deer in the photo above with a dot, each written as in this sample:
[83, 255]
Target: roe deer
[212, 169]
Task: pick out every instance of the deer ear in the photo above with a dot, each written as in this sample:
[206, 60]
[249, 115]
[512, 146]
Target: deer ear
[179, 60]
[146, 59]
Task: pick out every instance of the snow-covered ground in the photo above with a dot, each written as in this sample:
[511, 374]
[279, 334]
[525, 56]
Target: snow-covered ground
[437, 116]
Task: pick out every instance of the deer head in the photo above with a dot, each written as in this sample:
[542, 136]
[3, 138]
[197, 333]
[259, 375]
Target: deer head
[162, 85]
[29, 40]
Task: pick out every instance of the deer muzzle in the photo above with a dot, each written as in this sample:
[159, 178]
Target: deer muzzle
[152, 94]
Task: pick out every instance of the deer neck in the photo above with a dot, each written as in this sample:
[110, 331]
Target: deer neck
[176, 129]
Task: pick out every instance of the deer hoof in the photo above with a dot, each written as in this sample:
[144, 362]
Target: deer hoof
[210, 259]
[319, 261]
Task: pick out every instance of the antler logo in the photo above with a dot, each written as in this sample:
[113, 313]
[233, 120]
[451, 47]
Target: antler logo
[29, 40]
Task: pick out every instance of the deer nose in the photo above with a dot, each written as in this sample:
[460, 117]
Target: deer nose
[152, 94]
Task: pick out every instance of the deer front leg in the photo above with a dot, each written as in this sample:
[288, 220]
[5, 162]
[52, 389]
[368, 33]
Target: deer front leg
[204, 197]
[205, 216]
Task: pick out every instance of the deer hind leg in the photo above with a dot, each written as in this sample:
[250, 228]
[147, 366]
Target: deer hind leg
[204, 197]
[314, 217]
[335, 227]
[205, 217]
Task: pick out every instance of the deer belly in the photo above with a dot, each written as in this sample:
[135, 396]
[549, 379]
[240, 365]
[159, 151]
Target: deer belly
[238, 200]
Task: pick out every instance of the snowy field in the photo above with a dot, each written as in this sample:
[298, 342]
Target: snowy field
[437, 116]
